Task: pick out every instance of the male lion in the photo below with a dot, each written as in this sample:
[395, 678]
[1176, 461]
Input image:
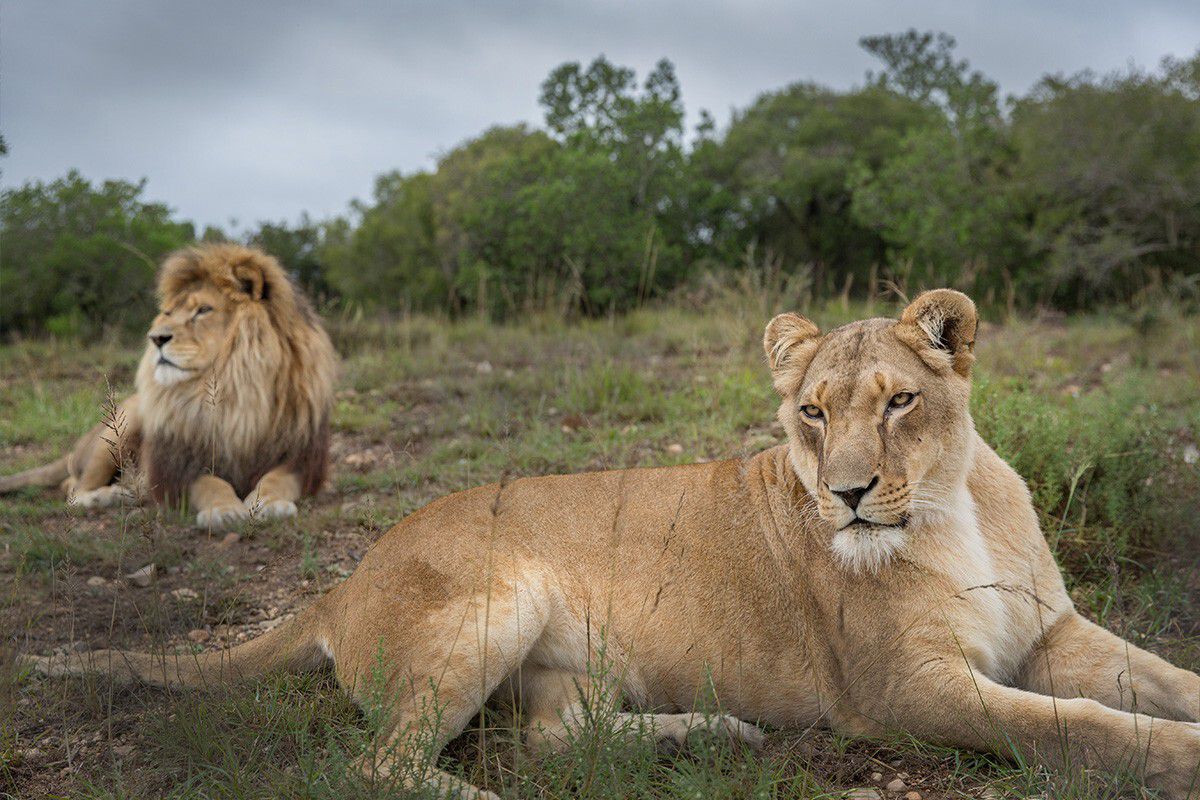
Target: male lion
[882, 571]
[233, 397]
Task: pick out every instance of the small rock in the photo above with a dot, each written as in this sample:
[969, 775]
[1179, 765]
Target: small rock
[30, 754]
[897, 785]
[483, 367]
[185, 594]
[862, 794]
[199, 635]
[912, 796]
[142, 577]
[230, 539]
[876, 776]
[991, 793]
[96, 581]
[675, 448]
[1191, 454]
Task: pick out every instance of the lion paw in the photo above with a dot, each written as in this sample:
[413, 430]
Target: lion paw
[270, 509]
[103, 497]
[222, 517]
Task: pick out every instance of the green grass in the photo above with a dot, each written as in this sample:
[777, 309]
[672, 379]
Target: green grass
[1097, 413]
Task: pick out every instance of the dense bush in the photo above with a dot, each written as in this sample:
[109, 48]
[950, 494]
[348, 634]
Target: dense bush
[1084, 192]
[78, 258]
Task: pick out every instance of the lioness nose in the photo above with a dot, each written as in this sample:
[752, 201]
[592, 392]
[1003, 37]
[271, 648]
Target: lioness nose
[852, 497]
[160, 339]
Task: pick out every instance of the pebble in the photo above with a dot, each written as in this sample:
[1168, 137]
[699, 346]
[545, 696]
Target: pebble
[912, 796]
[876, 776]
[199, 635]
[230, 539]
[96, 581]
[897, 785]
[185, 594]
[862, 794]
[675, 448]
[143, 576]
[483, 367]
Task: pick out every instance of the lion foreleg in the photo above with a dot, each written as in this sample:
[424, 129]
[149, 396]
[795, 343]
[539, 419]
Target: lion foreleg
[216, 503]
[1077, 658]
[100, 454]
[275, 495]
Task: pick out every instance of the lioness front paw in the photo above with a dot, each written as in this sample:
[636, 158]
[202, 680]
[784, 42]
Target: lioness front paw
[1175, 762]
[270, 509]
[103, 497]
[222, 517]
[737, 730]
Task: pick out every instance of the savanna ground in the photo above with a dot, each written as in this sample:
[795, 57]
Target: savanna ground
[1100, 415]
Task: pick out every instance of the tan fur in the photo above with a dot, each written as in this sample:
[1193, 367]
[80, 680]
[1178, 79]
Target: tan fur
[959, 631]
[231, 413]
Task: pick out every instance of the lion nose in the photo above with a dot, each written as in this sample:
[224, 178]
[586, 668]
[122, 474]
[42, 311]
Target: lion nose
[852, 497]
[160, 339]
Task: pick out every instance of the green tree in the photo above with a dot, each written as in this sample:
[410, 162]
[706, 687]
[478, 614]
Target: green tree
[386, 256]
[1111, 170]
[298, 248]
[779, 178]
[943, 203]
[80, 258]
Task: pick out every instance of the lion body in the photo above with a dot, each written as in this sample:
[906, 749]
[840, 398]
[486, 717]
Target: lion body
[246, 397]
[882, 571]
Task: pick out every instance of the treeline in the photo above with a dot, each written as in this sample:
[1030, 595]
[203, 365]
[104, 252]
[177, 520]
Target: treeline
[1084, 192]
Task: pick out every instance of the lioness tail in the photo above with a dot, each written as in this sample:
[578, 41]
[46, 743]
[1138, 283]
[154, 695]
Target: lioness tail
[52, 474]
[294, 646]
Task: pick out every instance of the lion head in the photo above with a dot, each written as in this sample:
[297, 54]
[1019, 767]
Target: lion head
[877, 418]
[237, 376]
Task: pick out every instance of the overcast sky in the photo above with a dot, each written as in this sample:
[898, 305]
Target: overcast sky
[257, 110]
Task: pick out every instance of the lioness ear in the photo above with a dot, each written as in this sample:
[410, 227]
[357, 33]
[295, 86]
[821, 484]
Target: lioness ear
[790, 342]
[253, 279]
[940, 326]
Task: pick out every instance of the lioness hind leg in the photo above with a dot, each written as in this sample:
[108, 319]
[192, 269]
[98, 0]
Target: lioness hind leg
[553, 705]
[425, 680]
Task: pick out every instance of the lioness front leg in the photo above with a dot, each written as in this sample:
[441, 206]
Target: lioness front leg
[275, 495]
[216, 503]
[961, 708]
[553, 703]
[1077, 658]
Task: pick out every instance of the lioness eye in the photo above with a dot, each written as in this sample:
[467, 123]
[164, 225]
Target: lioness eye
[901, 399]
[203, 310]
[811, 411]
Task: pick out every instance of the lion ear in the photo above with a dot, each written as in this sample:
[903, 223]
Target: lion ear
[252, 277]
[790, 342]
[940, 326]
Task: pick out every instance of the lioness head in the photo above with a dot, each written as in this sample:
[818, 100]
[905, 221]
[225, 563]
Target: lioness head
[877, 420]
[206, 295]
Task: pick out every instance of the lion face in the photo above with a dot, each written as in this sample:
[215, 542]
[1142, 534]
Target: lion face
[187, 335]
[877, 418]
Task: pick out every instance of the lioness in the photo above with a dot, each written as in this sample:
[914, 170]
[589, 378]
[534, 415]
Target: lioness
[233, 397]
[881, 571]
